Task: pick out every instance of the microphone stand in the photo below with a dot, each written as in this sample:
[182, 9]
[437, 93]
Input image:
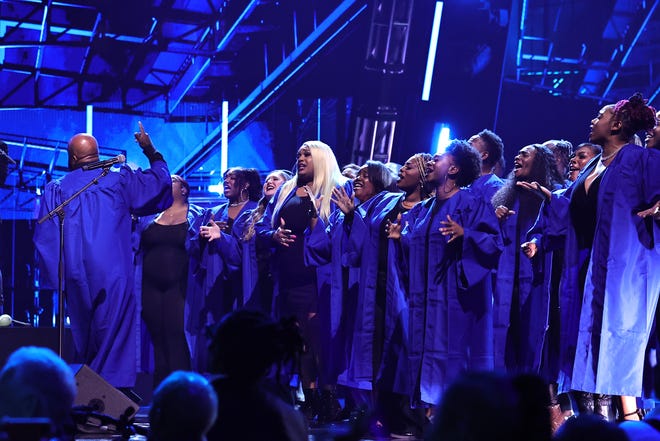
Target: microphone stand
[59, 211]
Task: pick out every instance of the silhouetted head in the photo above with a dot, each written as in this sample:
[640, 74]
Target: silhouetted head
[184, 407]
[35, 382]
[246, 344]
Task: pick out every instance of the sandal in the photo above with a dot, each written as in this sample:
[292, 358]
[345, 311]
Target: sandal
[639, 413]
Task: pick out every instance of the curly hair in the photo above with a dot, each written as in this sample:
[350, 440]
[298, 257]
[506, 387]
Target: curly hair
[635, 115]
[544, 171]
[468, 161]
[562, 150]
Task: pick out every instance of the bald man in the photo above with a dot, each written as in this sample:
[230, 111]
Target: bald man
[98, 266]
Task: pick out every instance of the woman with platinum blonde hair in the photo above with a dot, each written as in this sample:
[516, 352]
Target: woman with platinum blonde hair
[303, 291]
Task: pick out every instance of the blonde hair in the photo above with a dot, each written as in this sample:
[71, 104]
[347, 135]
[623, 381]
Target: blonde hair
[327, 176]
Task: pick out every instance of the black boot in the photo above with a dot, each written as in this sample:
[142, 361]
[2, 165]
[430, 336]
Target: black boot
[329, 409]
[309, 407]
[603, 407]
[557, 416]
[583, 402]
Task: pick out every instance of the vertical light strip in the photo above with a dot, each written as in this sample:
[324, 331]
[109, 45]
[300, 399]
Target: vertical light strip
[443, 139]
[89, 122]
[225, 132]
[318, 119]
[433, 46]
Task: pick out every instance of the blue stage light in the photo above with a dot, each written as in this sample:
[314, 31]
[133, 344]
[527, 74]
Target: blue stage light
[433, 46]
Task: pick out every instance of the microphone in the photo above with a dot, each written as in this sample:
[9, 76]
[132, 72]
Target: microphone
[119, 159]
[4, 154]
[6, 320]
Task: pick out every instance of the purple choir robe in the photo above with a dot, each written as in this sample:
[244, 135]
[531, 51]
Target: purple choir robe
[361, 252]
[253, 271]
[549, 234]
[215, 264]
[623, 280]
[98, 260]
[450, 294]
[323, 246]
[520, 307]
[487, 185]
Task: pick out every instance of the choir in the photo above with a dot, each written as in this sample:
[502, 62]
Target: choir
[401, 283]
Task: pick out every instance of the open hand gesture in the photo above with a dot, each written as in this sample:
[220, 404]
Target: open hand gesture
[345, 202]
[393, 229]
[452, 229]
[536, 188]
[283, 236]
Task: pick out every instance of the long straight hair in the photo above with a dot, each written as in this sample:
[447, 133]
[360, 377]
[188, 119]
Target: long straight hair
[327, 176]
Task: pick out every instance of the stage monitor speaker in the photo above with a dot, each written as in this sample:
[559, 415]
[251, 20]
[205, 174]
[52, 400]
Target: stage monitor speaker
[99, 395]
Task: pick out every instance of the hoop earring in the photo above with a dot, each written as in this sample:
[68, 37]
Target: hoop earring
[248, 194]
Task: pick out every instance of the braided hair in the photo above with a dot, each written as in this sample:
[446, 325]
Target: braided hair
[635, 115]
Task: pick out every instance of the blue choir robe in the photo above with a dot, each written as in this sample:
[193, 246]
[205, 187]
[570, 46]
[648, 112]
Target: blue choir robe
[518, 349]
[450, 295]
[216, 264]
[549, 235]
[194, 219]
[553, 230]
[623, 278]
[98, 260]
[323, 245]
[361, 252]
[254, 296]
[487, 185]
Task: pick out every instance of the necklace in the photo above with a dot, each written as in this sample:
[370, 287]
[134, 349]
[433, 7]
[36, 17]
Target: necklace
[174, 212]
[237, 204]
[611, 155]
[450, 190]
[408, 204]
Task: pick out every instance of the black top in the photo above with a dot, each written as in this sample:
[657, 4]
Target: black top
[165, 258]
[583, 207]
[290, 261]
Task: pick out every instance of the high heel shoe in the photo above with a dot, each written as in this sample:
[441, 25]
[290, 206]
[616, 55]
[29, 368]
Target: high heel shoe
[637, 415]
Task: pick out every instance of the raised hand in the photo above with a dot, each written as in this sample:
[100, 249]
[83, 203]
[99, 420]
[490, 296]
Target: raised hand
[503, 212]
[535, 188]
[283, 236]
[210, 231]
[315, 201]
[654, 211]
[222, 225]
[345, 202]
[144, 141]
[452, 229]
[393, 229]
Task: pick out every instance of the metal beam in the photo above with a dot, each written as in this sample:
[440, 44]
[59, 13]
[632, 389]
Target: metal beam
[264, 93]
[633, 42]
[197, 65]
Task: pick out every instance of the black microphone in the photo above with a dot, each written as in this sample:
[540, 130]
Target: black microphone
[4, 154]
[119, 159]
